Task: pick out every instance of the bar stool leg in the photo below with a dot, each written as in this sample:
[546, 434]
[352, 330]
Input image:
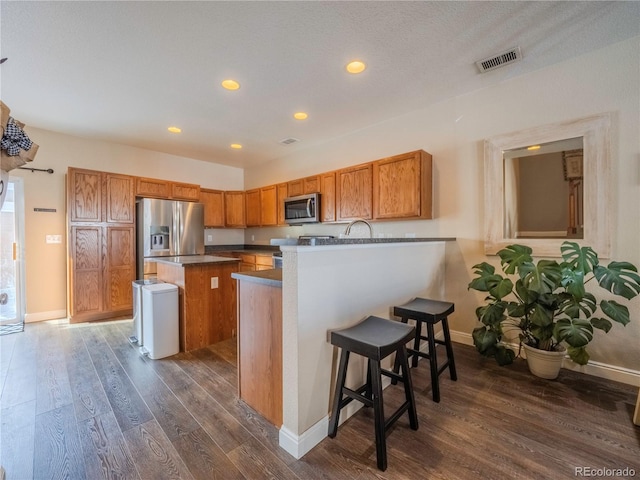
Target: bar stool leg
[337, 396]
[408, 388]
[416, 344]
[433, 362]
[447, 342]
[378, 410]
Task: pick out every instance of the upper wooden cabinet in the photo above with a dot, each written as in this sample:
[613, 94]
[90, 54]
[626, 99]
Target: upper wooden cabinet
[328, 197]
[282, 193]
[155, 188]
[234, 209]
[304, 186]
[213, 201]
[354, 192]
[152, 188]
[120, 198]
[402, 186]
[269, 206]
[95, 197]
[185, 191]
[253, 208]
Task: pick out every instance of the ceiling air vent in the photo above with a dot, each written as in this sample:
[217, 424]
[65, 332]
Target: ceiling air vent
[288, 141]
[500, 60]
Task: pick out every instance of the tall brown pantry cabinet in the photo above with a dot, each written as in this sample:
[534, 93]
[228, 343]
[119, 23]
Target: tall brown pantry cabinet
[101, 224]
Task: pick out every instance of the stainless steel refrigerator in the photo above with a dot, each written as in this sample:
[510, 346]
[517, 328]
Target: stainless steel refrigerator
[166, 228]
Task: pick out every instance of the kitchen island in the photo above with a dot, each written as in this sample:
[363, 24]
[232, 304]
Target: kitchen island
[260, 342]
[207, 297]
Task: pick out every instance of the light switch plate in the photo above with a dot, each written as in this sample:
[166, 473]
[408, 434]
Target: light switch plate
[53, 239]
[214, 282]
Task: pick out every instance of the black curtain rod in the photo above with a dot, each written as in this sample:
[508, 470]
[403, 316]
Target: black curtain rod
[47, 170]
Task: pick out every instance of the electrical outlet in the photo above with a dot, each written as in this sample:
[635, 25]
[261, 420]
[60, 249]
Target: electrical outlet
[253, 238]
[214, 282]
[209, 238]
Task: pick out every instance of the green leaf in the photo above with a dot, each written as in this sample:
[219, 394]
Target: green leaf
[615, 311]
[579, 258]
[620, 278]
[578, 355]
[492, 313]
[601, 324]
[484, 339]
[577, 333]
[504, 355]
[572, 307]
[540, 315]
[514, 256]
[544, 277]
[573, 281]
[501, 288]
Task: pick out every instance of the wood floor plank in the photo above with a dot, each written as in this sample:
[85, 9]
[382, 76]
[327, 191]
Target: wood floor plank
[20, 380]
[156, 458]
[17, 439]
[171, 415]
[217, 364]
[52, 383]
[127, 404]
[58, 453]
[105, 453]
[88, 395]
[254, 460]
[204, 459]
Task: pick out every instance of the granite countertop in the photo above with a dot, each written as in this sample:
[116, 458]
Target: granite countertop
[190, 260]
[272, 277]
[365, 241]
[246, 249]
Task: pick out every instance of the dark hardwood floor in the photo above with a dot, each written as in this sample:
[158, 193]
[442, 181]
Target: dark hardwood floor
[78, 401]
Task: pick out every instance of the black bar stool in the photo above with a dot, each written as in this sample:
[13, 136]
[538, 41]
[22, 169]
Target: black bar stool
[375, 338]
[430, 312]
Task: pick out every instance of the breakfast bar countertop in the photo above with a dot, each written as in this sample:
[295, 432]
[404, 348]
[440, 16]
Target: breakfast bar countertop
[194, 260]
[272, 277]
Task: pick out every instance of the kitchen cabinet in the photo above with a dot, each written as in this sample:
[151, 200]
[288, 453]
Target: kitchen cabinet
[213, 201]
[328, 197]
[101, 246]
[250, 262]
[234, 209]
[152, 188]
[303, 186]
[354, 192]
[156, 188]
[269, 206]
[402, 186]
[185, 191]
[253, 208]
[282, 193]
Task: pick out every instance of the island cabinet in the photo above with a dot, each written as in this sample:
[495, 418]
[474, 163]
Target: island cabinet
[234, 209]
[402, 186]
[207, 298]
[260, 342]
[213, 201]
[354, 192]
[101, 244]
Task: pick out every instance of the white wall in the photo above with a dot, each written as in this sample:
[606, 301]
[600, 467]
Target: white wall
[453, 131]
[46, 263]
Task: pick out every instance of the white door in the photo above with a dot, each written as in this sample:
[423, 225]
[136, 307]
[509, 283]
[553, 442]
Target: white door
[11, 262]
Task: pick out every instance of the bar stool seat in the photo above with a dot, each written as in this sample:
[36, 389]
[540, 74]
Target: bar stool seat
[374, 338]
[429, 312]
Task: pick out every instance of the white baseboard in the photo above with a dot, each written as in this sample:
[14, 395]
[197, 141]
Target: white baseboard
[597, 369]
[298, 445]
[41, 316]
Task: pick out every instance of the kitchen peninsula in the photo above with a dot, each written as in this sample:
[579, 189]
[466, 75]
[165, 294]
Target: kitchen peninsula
[207, 302]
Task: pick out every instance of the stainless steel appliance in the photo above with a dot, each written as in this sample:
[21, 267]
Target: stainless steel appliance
[166, 228]
[277, 259]
[302, 209]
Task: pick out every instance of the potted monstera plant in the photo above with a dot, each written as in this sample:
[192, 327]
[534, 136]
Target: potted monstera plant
[548, 303]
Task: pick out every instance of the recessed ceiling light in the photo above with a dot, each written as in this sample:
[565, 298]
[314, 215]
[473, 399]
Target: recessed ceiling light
[300, 116]
[356, 66]
[534, 147]
[174, 130]
[230, 84]
[237, 146]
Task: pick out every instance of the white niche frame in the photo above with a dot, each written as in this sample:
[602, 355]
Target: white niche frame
[595, 132]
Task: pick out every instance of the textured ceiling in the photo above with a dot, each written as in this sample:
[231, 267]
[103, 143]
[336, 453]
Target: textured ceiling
[125, 71]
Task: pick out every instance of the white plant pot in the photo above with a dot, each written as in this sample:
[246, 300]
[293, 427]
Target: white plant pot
[544, 364]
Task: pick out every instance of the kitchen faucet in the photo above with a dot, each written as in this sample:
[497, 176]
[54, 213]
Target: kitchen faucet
[358, 220]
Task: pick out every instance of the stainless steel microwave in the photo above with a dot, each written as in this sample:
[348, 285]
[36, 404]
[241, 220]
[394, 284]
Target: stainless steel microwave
[302, 209]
